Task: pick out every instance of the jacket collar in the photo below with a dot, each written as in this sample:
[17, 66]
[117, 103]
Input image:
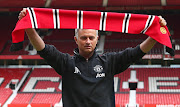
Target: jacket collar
[76, 53]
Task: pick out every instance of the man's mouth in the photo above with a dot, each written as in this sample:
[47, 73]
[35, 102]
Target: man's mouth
[87, 47]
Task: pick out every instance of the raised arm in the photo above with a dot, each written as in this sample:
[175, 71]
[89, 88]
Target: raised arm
[34, 38]
[147, 45]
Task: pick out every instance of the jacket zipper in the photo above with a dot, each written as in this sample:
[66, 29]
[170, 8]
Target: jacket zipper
[87, 65]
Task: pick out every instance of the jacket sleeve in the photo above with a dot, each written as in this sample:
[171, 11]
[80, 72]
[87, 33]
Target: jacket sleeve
[122, 60]
[54, 58]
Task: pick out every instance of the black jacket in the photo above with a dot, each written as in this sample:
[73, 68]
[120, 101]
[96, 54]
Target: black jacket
[89, 83]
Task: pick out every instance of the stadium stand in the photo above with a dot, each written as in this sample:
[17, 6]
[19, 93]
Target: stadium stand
[133, 3]
[166, 90]
[22, 3]
[5, 93]
[9, 74]
[6, 30]
[170, 2]
[63, 40]
[29, 105]
[68, 3]
[21, 52]
[62, 34]
[49, 74]
[115, 45]
[42, 85]
[22, 98]
[39, 96]
[121, 99]
[46, 99]
[165, 99]
[66, 46]
[35, 98]
[173, 27]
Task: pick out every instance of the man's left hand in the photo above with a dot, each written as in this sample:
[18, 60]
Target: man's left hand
[162, 21]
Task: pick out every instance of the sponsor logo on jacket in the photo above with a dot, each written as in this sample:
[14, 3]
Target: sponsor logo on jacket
[99, 69]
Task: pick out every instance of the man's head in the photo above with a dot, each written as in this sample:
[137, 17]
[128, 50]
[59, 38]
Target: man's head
[86, 39]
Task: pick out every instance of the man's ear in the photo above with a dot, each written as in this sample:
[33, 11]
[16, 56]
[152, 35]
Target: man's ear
[75, 39]
[97, 39]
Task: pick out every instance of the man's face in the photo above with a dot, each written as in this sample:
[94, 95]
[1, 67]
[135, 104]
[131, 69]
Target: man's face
[86, 41]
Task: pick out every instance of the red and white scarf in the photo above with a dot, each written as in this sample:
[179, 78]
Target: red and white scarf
[47, 18]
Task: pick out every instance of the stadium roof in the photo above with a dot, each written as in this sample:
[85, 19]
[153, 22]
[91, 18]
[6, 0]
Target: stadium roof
[13, 5]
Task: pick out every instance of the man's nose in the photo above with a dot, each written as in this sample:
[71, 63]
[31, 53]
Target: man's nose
[88, 40]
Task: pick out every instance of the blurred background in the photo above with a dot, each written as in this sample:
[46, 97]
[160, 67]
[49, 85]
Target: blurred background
[25, 78]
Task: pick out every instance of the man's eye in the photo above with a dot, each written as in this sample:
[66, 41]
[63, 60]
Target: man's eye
[83, 38]
[91, 38]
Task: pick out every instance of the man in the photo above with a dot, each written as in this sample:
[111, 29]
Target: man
[87, 77]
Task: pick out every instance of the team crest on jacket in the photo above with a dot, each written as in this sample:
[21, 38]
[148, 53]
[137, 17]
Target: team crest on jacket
[98, 68]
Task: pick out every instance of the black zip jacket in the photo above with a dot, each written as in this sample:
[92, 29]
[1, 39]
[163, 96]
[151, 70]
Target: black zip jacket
[89, 83]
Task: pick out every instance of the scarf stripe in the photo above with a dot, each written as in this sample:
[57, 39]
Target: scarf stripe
[103, 21]
[151, 21]
[33, 18]
[148, 23]
[126, 23]
[80, 19]
[56, 19]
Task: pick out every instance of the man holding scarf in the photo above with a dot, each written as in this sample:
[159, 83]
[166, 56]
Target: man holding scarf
[87, 78]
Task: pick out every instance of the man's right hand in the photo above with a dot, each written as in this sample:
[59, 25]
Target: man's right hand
[22, 14]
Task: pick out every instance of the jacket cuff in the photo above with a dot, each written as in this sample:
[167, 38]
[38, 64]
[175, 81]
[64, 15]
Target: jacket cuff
[140, 52]
[43, 50]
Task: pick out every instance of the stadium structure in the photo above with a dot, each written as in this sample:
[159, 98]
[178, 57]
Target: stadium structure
[26, 80]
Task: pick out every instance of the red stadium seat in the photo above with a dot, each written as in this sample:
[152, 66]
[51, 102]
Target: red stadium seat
[5, 93]
[29, 105]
